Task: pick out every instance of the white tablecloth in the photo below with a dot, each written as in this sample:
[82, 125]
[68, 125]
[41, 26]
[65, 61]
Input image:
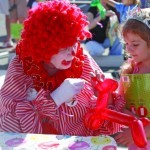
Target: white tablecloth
[16, 141]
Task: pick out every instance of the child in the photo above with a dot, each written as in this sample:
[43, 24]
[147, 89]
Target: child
[123, 7]
[135, 73]
[48, 87]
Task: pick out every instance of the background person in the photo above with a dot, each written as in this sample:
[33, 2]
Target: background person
[123, 7]
[4, 7]
[33, 3]
[100, 27]
[18, 13]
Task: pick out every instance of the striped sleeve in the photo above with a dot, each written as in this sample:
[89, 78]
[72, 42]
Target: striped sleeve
[118, 101]
[17, 114]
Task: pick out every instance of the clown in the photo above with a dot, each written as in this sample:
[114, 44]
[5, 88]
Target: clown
[48, 84]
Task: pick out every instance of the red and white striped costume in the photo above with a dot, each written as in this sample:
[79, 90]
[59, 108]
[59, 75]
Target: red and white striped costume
[18, 114]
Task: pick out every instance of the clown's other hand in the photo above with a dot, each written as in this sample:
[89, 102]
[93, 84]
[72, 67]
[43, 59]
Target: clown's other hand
[99, 76]
[124, 137]
[67, 90]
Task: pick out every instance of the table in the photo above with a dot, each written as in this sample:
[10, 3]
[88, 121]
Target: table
[20, 141]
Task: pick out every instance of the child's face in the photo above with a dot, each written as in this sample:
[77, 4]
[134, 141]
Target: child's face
[137, 47]
[63, 59]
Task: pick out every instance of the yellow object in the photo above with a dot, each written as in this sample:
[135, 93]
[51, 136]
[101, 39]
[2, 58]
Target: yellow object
[16, 29]
[136, 89]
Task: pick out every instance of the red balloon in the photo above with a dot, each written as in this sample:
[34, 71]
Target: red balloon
[145, 121]
[138, 133]
[95, 117]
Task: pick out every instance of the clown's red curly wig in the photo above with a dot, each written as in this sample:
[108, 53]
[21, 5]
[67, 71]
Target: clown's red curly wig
[49, 27]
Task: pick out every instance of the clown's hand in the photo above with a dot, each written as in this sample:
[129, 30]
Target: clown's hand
[67, 90]
[96, 76]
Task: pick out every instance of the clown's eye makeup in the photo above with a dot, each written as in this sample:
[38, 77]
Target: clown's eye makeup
[63, 59]
[71, 48]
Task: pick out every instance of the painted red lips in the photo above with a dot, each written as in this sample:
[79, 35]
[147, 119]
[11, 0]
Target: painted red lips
[64, 62]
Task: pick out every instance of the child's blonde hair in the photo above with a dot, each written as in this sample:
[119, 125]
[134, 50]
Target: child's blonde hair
[134, 2]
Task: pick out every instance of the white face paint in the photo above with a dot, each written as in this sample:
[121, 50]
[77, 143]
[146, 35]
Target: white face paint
[63, 59]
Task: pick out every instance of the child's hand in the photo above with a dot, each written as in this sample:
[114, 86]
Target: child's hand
[124, 137]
